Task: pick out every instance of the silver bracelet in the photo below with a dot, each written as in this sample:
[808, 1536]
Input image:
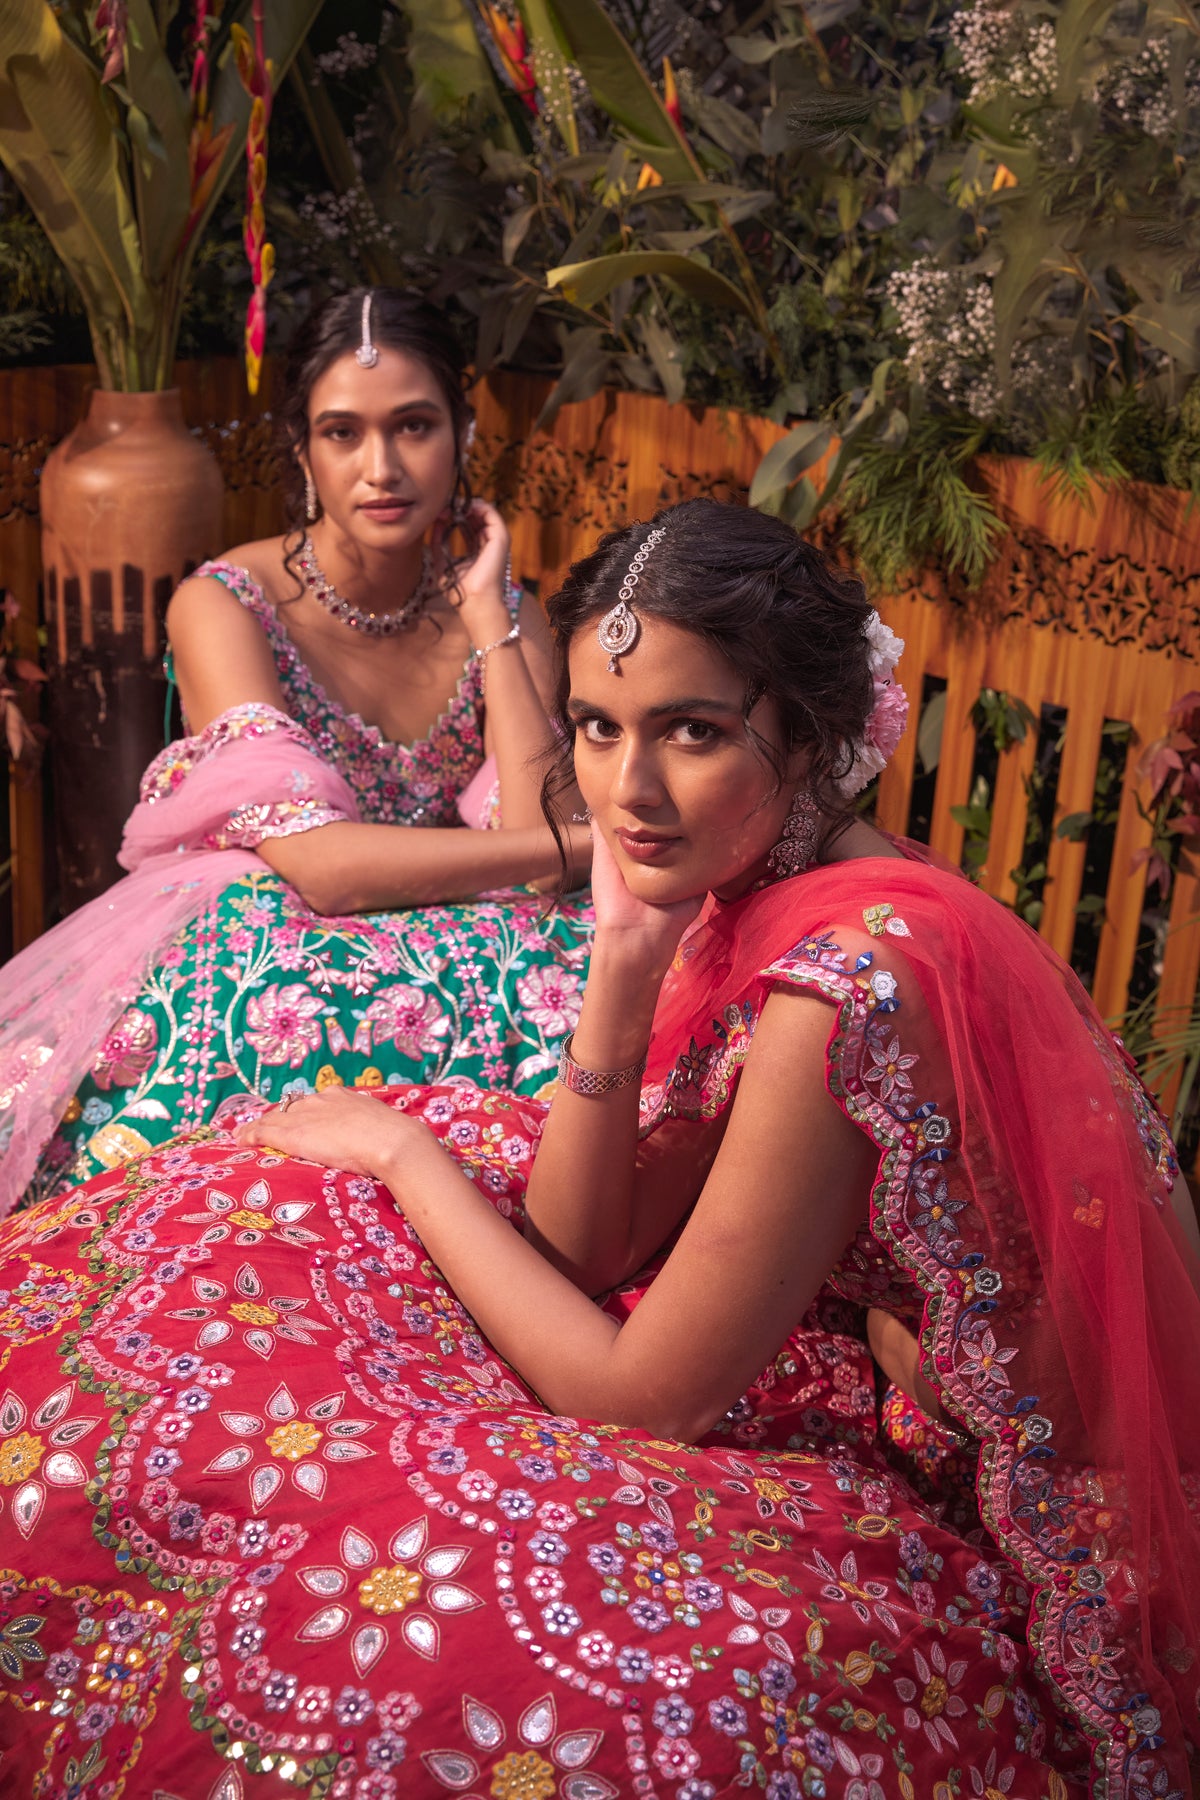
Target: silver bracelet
[593, 1082]
[510, 637]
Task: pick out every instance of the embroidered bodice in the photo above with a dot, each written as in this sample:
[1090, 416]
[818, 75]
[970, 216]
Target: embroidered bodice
[394, 784]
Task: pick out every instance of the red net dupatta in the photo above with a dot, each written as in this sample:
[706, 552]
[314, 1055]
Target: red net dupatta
[1062, 1303]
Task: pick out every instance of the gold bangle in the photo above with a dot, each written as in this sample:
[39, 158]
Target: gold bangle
[591, 1083]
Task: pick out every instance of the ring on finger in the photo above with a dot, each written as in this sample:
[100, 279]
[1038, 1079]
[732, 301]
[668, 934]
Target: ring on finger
[288, 1100]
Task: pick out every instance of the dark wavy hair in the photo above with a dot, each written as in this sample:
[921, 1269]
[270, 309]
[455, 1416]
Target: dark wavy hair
[790, 622]
[399, 321]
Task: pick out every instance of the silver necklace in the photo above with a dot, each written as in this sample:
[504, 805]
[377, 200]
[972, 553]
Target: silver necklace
[373, 624]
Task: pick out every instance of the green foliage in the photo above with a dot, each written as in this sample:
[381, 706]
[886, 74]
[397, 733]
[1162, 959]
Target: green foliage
[103, 144]
[909, 503]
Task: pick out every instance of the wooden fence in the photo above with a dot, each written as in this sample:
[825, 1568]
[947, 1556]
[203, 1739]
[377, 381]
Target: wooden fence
[1095, 613]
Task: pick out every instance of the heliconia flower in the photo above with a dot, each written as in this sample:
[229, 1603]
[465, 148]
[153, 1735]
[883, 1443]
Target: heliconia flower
[509, 38]
[112, 18]
[255, 72]
[671, 96]
[205, 148]
[648, 176]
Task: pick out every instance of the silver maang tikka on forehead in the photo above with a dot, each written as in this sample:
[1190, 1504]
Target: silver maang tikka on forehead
[366, 356]
[618, 630]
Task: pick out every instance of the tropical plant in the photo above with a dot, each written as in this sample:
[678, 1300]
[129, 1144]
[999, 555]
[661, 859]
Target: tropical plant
[121, 126]
[1059, 312]
[19, 679]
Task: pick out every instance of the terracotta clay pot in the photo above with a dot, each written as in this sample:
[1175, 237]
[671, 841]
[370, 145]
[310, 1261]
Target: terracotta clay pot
[130, 502]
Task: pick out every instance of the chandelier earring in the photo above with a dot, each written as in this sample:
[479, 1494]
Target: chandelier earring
[797, 848]
[311, 507]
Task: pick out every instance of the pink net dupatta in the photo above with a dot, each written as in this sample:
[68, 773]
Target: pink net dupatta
[1062, 1314]
[184, 842]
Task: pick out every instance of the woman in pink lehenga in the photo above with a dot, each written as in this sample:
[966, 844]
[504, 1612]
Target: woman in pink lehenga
[303, 904]
[320, 1477]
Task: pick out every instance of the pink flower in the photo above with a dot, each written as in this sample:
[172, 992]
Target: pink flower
[550, 999]
[283, 1024]
[412, 1019]
[127, 1051]
[885, 727]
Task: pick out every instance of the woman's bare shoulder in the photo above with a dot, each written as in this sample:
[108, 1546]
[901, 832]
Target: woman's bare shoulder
[262, 560]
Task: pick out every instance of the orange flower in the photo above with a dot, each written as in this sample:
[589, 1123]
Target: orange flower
[513, 49]
[294, 1440]
[19, 1457]
[523, 1776]
[671, 96]
[389, 1590]
[256, 73]
[249, 1314]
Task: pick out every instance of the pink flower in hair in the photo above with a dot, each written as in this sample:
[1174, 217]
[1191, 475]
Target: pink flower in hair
[885, 727]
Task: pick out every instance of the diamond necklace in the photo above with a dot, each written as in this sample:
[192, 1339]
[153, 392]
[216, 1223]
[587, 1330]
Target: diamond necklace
[357, 617]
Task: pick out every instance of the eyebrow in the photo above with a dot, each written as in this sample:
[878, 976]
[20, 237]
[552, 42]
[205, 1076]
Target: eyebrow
[689, 704]
[347, 412]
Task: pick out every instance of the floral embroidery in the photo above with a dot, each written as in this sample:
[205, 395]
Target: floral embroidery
[348, 1546]
[921, 1206]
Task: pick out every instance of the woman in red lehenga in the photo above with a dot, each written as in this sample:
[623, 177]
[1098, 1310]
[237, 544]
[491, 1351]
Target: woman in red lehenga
[303, 1489]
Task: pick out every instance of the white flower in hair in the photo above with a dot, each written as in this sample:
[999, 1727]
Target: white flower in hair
[884, 648]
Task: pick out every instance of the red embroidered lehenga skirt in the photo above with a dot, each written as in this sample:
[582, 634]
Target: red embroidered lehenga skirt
[277, 1519]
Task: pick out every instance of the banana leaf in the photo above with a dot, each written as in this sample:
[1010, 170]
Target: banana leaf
[58, 142]
[550, 57]
[619, 85]
[449, 66]
[585, 283]
[160, 180]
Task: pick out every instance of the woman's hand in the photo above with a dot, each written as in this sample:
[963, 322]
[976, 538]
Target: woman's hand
[478, 592]
[648, 932]
[342, 1128]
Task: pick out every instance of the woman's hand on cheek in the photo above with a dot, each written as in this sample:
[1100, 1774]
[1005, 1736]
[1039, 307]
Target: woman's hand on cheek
[341, 1128]
[621, 915]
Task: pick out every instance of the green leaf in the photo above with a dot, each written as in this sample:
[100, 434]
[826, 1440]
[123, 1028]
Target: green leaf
[1171, 325]
[585, 369]
[1031, 245]
[550, 55]
[161, 182]
[929, 732]
[586, 283]
[1074, 828]
[58, 143]
[759, 48]
[515, 227]
[620, 86]
[798, 505]
[804, 445]
[450, 68]
[662, 347]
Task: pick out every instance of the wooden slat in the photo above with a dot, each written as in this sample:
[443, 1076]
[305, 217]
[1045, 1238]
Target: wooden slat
[1021, 668]
[1084, 700]
[964, 670]
[621, 456]
[1125, 897]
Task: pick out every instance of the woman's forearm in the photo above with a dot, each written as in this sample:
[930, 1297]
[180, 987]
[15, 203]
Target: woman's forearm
[519, 733]
[348, 868]
[581, 1200]
[538, 1320]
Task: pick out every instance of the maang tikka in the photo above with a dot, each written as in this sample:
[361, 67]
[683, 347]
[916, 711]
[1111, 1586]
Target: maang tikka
[366, 356]
[618, 630]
